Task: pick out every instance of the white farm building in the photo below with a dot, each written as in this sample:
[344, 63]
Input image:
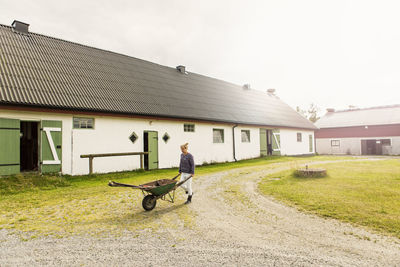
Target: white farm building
[60, 100]
[360, 131]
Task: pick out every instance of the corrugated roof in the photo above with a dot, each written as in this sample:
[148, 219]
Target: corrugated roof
[43, 71]
[361, 117]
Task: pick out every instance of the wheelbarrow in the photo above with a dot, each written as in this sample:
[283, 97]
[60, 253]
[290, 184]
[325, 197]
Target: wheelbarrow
[163, 189]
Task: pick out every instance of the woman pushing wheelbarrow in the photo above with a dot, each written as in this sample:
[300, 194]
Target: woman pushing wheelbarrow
[165, 189]
[186, 169]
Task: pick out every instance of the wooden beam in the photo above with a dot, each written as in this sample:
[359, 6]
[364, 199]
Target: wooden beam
[113, 154]
[90, 165]
[92, 156]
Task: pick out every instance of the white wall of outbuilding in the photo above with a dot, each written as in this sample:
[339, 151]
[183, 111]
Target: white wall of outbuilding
[111, 135]
[352, 145]
[39, 116]
[290, 145]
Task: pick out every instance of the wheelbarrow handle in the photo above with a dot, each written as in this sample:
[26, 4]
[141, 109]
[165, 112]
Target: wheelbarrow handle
[176, 176]
[115, 184]
[182, 182]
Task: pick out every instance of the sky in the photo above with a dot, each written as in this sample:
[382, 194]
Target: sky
[330, 53]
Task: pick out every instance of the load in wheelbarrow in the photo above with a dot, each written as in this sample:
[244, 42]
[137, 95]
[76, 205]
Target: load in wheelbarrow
[163, 189]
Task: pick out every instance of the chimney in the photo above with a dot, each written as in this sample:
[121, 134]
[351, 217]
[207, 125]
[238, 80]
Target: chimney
[330, 110]
[20, 27]
[181, 69]
[271, 91]
[246, 86]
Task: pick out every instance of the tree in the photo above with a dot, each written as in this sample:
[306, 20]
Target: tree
[302, 112]
[311, 113]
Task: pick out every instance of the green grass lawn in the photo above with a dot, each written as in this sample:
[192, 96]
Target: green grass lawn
[364, 193]
[64, 205]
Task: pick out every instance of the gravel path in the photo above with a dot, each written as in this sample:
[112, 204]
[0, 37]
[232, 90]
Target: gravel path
[254, 230]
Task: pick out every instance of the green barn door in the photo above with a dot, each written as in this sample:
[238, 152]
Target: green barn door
[153, 150]
[9, 146]
[51, 133]
[276, 142]
[263, 142]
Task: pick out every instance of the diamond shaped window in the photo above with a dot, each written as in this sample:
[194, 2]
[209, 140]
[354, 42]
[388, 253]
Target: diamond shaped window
[133, 137]
[165, 137]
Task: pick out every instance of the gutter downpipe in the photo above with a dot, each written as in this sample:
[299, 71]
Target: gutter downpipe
[233, 141]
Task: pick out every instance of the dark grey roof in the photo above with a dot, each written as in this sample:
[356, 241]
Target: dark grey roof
[43, 71]
[361, 117]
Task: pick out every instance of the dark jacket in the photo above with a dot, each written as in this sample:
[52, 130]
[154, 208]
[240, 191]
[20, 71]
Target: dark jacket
[187, 163]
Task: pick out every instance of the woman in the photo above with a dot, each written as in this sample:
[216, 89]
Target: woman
[186, 169]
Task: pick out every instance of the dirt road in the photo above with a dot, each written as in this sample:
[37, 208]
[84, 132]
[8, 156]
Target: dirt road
[234, 225]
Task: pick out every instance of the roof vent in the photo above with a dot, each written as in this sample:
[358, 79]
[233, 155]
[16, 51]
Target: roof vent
[271, 91]
[330, 110]
[20, 27]
[246, 86]
[181, 69]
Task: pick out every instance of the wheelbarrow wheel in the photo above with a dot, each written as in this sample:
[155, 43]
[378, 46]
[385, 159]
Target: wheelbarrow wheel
[149, 202]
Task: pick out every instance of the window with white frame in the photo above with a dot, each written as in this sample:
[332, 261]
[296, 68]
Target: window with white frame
[335, 142]
[83, 123]
[245, 136]
[188, 127]
[299, 137]
[386, 142]
[218, 135]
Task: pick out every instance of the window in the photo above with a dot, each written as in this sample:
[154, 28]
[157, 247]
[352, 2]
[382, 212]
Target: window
[385, 142]
[245, 136]
[299, 137]
[83, 123]
[218, 135]
[335, 142]
[133, 137]
[188, 128]
[166, 137]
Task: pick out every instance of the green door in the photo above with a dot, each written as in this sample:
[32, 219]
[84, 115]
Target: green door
[276, 142]
[263, 142]
[51, 141]
[9, 146]
[153, 150]
[310, 140]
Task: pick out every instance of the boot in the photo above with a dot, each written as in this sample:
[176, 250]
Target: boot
[189, 199]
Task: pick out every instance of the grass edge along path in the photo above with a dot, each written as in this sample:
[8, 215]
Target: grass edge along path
[24, 183]
[68, 205]
[363, 193]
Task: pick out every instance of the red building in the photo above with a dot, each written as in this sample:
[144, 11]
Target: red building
[368, 131]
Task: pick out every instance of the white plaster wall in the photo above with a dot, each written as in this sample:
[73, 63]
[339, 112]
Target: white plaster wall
[289, 144]
[395, 145]
[111, 135]
[108, 136]
[66, 130]
[247, 150]
[347, 146]
[352, 145]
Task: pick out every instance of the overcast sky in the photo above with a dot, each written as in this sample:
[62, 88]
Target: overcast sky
[331, 53]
